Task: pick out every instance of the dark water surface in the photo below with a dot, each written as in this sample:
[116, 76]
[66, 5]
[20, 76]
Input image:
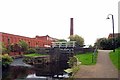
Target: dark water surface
[40, 72]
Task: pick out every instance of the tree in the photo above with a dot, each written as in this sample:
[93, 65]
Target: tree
[23, 45]
[117, 41]
[31, 50]
[100, 42]
[3, 48]
[62, 40]
[90, 46]
[15, 47]
[104, 43]
[79, 40]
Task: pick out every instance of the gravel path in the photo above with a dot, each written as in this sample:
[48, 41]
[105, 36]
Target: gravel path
[103, 69]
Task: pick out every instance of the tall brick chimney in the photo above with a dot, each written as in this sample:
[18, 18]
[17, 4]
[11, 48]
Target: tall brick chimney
[71, 26]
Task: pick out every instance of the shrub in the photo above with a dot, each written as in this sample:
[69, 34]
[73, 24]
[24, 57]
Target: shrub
[3, 48]
[74, 64]
[31, 50]
[6, 60]
[107, 44]
[23, 45]
[27, 60]
[72, 61]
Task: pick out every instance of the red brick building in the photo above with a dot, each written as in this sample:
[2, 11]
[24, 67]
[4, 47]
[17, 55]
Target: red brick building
[38, 41]
[115, 35]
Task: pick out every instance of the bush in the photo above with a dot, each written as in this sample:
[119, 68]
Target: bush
[6, 60]
[3, 48]
[27, 60]
[74, 64]
[107, 44]
[72, 61]
[23, 45]
[31, 50]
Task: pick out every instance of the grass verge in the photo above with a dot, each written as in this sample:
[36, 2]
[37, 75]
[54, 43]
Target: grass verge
[115, 58]
[34, 55]
[87, 58]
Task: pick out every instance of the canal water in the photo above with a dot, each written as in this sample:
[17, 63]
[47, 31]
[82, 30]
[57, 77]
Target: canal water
[53, 71]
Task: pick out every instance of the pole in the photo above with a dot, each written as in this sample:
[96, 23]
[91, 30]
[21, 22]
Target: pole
[92, 57]
[113, 34]
[113, 31]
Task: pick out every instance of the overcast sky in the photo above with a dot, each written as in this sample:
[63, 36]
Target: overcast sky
[52, 17]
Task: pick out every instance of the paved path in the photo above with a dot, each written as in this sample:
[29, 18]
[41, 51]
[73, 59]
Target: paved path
[103, 69]
[19, 62]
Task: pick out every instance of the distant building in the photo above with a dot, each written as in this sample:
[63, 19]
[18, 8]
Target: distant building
[38, 41]
[115, 35]
[63, 44]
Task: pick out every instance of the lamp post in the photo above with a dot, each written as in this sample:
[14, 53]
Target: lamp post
[113, 30]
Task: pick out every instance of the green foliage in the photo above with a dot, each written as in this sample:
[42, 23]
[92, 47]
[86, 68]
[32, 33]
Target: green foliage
[3, 48]
[72, 61]
[86, 58]
[23, 45]
[117, 41]
[29, 58]
[34, 55]
[6, 60]
[104, 43]
[15, 47]
[62, 40]
[68, 70]
[101, 43]
[75, 69]
[74, 64]
[31, 50]
[114, 56]
[90, 46]
[79, 40]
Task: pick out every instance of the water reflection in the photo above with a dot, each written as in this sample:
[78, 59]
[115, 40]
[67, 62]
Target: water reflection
[16, 72]
[45, 71]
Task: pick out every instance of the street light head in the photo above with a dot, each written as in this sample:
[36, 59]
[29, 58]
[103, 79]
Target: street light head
[107, 18]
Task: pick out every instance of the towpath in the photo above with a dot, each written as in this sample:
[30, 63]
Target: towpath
[103, 68]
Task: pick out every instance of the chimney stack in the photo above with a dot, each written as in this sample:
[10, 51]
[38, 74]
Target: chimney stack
[71, 26]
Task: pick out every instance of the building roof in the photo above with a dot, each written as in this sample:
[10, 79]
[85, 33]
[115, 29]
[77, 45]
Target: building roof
[115, 35]
[15, 35]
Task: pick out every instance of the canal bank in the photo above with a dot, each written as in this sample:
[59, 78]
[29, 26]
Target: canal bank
[20, 70]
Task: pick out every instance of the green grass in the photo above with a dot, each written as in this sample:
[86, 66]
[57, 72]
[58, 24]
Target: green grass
[34, 55]
[115, 58]
[86, 59]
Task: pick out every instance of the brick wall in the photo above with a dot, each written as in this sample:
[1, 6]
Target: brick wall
[32, 42]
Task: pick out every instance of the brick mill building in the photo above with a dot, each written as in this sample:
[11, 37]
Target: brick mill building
[38, 41]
